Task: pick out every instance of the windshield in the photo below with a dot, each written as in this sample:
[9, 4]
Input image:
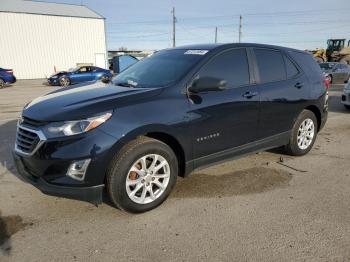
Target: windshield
[326, 66]
[74, 69]
[161, 69]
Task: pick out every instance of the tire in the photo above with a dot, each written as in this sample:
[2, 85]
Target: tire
[64, 81]
[295, 146]
[105, 79]
[2, 83]
[119, 174]
[347, 107]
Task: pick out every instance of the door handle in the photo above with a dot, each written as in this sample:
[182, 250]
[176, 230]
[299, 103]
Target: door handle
[298, 85]
[250, 94]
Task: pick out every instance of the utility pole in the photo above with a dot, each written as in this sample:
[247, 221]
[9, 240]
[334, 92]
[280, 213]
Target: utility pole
[240, 29]
[216, 34]
[174, 32]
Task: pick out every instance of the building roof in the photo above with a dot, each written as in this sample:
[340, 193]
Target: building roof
[45, 8]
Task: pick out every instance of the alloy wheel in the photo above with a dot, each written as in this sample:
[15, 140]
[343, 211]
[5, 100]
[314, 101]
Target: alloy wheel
[2, 83]
[147, 178]
[306, 133]
[64, 82]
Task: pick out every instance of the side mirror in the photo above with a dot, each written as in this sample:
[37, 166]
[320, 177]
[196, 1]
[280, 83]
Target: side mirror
[205, 84]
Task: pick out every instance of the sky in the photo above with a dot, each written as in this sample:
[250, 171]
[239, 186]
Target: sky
[147, 25]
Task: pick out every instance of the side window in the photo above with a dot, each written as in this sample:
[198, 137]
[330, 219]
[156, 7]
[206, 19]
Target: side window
[230, 66]
[83, 70]
[290, 68]
[125, 61]
[270, 64]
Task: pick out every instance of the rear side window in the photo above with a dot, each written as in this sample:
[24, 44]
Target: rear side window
[290, 68]
[308, 65]
[230, 66]
[270, 64]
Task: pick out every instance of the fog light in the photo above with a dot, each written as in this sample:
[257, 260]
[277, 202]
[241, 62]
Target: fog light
[78, 169]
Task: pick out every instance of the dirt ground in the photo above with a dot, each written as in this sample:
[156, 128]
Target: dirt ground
[264, 207]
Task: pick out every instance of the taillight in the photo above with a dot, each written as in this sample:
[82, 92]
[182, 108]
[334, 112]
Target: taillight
[326, 83]
[9, 71]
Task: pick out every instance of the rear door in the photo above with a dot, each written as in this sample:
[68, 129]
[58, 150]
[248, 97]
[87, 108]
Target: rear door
[229, 118]
[283, 90]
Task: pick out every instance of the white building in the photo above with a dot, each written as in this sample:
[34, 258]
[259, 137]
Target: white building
[38, 37]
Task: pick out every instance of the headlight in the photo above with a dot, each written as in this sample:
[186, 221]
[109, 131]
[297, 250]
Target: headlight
[53, 76]
[69, 128]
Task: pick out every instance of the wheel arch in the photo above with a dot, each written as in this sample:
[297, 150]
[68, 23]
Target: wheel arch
[175, 145]
[159, 132]
[317, 112]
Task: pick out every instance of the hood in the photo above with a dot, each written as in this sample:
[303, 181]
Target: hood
[84, 101]
[61, 73]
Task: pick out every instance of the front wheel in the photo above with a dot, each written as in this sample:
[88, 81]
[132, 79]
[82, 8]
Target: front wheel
[303, 134]
[2, 83]
[64, 81]
[142, 175]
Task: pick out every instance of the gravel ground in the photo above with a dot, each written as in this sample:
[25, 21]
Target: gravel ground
[256, 208]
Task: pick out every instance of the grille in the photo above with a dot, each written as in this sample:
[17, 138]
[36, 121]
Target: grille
[26, 140]
[31, 122]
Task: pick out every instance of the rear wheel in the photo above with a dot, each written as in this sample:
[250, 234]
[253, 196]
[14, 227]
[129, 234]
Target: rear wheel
[303, 134]
[142, 175]
[2, 83]
[64, 81]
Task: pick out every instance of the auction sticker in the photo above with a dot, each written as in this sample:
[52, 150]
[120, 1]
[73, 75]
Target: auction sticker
[196, 52]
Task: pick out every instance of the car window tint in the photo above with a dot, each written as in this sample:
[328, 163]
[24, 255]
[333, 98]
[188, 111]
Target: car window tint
[125, 61]
[270, 64]
[230, 66]
[290, 68]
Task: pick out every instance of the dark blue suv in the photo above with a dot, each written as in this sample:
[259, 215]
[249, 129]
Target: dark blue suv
[6, 77]
[167, 115]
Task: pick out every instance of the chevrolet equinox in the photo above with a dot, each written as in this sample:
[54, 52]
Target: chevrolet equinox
[167, 115]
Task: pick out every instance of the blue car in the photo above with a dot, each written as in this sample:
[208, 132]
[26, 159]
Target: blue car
[6, 77]
[80, 74]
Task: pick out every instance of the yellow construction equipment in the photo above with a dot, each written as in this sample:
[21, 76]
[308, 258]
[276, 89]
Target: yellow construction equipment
[336, 52]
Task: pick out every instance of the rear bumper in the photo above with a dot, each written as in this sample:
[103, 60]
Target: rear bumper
[92, 194]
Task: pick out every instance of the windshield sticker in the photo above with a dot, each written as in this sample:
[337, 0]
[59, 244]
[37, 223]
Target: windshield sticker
[196, 52]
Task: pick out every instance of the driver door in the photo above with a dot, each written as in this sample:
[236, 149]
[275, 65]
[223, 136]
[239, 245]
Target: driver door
[84, 74]
[226, 119]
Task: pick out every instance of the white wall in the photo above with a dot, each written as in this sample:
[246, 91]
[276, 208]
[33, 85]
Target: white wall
[33, 44]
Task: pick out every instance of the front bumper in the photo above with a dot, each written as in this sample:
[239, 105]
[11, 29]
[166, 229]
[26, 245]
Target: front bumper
[10, 79]
[345, 98]
[92, 194]
[53, 81]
